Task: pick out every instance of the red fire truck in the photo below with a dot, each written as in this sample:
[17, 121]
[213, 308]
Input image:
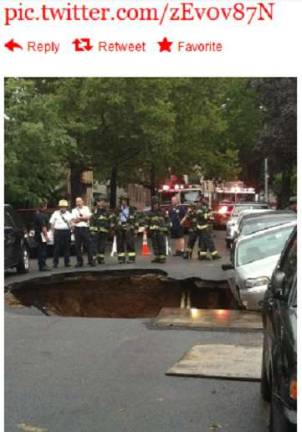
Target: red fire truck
[224, 198]
[187, 194]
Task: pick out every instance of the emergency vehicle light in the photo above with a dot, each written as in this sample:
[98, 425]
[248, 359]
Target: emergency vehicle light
[166, 187]
[223, 210]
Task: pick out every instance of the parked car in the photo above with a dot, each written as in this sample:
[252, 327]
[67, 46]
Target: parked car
[16, 249]
[255, 258]
[232, 224]
[249, 223]
[279, 364]
[253, 222]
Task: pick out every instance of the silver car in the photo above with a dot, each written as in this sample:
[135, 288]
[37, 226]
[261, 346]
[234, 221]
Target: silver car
[255, 259]
[232, 224]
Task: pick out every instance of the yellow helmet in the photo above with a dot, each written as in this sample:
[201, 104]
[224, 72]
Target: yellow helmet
[63, 203]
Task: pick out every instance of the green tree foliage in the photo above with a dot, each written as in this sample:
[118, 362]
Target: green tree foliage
[278, 137]
[36, 143]
[136, 129]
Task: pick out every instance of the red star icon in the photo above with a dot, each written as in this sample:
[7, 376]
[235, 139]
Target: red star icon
[165, 45]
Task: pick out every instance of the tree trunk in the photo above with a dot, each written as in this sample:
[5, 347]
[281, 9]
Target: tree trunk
[152, 180]
[285, 187]
[76, 187]
[113, 187]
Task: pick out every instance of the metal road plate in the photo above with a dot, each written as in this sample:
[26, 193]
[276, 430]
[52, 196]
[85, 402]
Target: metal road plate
[209, 318]
[235, 362]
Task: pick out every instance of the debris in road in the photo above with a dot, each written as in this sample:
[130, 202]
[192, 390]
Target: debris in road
[209, 318]
[237, 362]
[30, 428]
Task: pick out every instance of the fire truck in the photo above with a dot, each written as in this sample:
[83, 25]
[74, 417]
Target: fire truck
[221, 197]
[224, 198]
[187, 194]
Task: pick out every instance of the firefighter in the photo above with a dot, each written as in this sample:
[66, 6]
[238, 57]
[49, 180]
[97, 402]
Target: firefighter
[193, 234]
[158, 226]
[203, 232]
[100, 224]
[126, 224]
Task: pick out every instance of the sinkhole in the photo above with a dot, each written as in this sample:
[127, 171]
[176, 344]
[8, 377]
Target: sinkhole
[116, 294]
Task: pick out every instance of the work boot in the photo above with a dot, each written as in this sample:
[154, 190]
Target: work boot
[187, 255]
[178, 253]
[79, 265]
[202, 257]
[215, 255]
[100, 260]
[162, 260]
[121, 260]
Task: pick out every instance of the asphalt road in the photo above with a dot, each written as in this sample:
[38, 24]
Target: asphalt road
[175, 267]
[108, 375]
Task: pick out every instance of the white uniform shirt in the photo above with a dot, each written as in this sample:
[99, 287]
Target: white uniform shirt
[60, 221]
[77, 212]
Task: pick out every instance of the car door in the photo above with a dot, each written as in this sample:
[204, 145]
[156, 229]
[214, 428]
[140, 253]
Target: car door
[275, 307]
[9, 239]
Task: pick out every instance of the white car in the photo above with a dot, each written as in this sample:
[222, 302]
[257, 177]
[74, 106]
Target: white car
[255, 259]
[233, 222]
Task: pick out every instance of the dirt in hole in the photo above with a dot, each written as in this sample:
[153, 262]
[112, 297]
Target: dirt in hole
[100, 296]
[212, 297]
[114, 295]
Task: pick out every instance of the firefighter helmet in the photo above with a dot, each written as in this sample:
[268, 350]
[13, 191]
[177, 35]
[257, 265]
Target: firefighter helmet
[63, 203]
[101, 198]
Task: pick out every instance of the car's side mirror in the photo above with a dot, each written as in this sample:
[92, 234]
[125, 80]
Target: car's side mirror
[277, 284]
[227, 267]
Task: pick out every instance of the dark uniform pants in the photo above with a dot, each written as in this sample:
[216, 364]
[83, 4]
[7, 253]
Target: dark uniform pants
[205, 241]
[191, 240]
[61, 242]
[125, 240]
[158, 243]
[82, 238]
[41, 254]
[101, 240]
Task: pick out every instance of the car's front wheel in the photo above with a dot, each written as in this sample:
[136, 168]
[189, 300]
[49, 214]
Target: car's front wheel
[23, 264]
[278, 421]
[265, 385]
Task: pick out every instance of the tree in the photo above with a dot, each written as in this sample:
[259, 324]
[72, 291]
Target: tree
[278, 137]
[36, 143]
[136, 130]
[122, 125]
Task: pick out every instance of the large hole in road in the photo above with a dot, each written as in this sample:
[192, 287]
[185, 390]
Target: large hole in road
[119, 294]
